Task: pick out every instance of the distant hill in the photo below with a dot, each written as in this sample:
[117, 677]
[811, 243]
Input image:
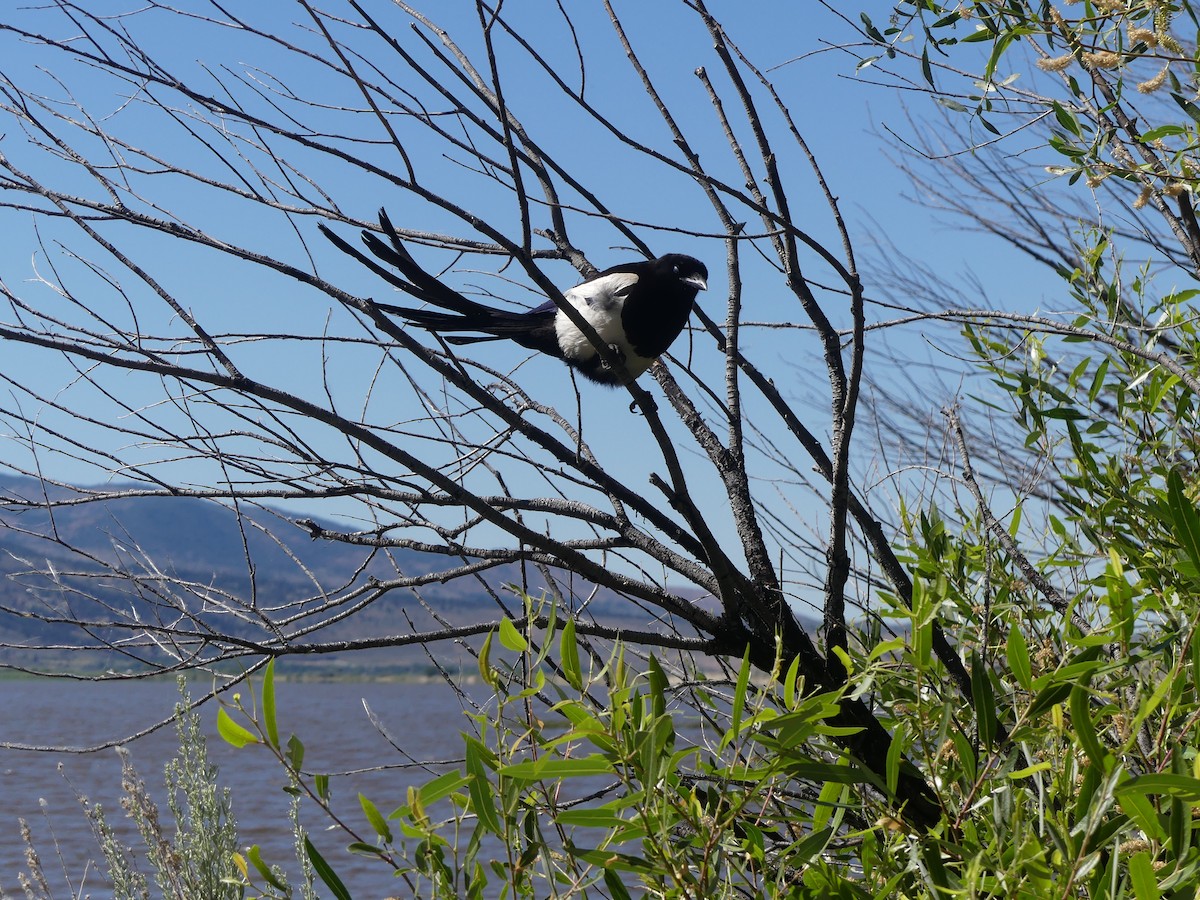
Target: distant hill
[204, 543]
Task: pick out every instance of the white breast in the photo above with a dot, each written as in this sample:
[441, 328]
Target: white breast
[599, 302]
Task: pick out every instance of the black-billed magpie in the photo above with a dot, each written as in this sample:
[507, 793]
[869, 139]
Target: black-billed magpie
[637, 309]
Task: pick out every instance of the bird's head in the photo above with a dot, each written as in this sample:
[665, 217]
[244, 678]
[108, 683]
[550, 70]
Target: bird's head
[687, 269]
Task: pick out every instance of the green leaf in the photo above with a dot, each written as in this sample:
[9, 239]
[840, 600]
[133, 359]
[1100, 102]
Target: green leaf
[965, 749]
[951, 104]
[1162, 131]
[870, 29]
[480, 789]
[295, 753]
[658, 681]
[486, 672]
[932, 855]
[433, 791]
[1063, 413]
[1098, 380]
[1018, 657]
[325, 871]
[791, 693]
[1141, 811]
[828, 799]
[554, 767]
[1029, 770]
[1093, 793]
[925, 68]
[811, 847]
[602, 817]
[1185, 787]
[828, 773]
[511, 638]
[985, 701]
[1151, 703]
[978, 36]
[892, 762]
[612, 861]
[375, 817]
[232, 732]
[1054, 687]
[883, 648]
[1183, 513]
[254, 854]
[1187, 106]
[1085, 728]
[569, 651]
[268, 703]
[616, 887]
[551, 627]
[739, 696]
[1051, 695]
[1179, 818]
[1066, 119]
[1141, 876]
[844, 659]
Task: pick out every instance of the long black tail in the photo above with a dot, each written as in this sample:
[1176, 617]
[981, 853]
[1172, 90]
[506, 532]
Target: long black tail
[535, 332]
[420, 284]
[485, 321]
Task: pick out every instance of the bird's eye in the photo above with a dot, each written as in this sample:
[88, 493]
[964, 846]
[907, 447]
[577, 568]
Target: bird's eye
[675, 270]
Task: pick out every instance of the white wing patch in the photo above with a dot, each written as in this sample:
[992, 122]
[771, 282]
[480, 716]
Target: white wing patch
[599, 302]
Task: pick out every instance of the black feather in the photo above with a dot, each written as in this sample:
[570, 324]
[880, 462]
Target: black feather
[638, 308]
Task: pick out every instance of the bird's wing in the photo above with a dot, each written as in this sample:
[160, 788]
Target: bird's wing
[607, 292]
[599, 300]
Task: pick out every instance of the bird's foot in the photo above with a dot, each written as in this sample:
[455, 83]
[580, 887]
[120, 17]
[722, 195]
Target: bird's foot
[617, 352]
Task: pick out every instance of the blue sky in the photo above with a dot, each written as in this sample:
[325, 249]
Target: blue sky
[840, 112]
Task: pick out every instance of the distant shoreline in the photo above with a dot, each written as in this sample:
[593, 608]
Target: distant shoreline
[330, 677]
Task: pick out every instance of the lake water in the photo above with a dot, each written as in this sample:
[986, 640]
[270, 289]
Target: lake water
[424, 719]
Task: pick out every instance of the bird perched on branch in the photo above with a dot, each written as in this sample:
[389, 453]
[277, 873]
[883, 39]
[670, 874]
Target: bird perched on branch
[637, 309]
